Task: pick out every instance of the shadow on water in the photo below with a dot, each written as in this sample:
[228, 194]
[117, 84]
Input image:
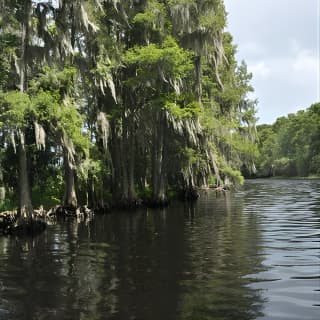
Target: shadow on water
[224, 249]
[220, 258]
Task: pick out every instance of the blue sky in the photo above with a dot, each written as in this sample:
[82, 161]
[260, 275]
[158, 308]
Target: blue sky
[279, 40]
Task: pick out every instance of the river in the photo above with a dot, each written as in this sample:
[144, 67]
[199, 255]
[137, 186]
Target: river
[252, 254]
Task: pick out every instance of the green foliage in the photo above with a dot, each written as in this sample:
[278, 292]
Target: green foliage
[291, 145]
[169, 58]
[234, 175]
[152, 17]
[71, 122]
[315, 164]
[212, 181]
[189, 156]
[8, 204]
[14, 109]
[191, 110]
[145, 193]
[93, 168]
[52, 29]
[163, 74]
[8, 43]
[52, 104]
[46, 105]
[48, 192]
[282, 166]
[60, 83]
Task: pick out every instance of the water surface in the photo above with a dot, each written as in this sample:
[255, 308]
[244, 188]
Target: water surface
[254, 254]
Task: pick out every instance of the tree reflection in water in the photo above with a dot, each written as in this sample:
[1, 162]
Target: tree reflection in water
[184, 262]
[224, 249]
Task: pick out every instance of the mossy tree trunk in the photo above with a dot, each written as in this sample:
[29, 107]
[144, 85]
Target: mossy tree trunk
[158, 162]
[131, 161]
[123, 163]
[25, 205]
[70, 196]
[198, 78]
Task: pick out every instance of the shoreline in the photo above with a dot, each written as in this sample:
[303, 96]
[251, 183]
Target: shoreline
[285, 178]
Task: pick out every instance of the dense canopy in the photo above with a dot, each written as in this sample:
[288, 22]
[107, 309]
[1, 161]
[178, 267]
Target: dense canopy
[291, 146]
[108, 101]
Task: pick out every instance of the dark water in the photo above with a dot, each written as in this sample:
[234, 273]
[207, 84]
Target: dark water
[251, 255]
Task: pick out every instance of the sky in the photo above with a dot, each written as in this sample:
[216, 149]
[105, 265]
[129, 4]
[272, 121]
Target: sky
[279, 41]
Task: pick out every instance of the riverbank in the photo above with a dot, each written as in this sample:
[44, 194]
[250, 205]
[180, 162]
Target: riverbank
[313, 177]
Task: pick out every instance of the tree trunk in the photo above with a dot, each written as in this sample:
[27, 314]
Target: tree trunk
[70, 196]
[25, 34]
[25, 206]
[190, 192]
[91, 193]
[198, 84]
[123, 164]
[123, 161]
[141, 167]
[158, 169]
[115, 149]
[131, 164]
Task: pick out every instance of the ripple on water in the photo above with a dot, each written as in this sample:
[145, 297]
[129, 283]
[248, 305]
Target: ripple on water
[290, 225]
[249, 255]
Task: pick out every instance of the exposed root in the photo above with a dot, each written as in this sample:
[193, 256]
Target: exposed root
[221, 190]
[11, 224]
[69, 211]
[27, 227]
[190, 194]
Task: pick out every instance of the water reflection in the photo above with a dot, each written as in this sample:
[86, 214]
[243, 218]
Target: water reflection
[252, 255]
[290, 221]
[224, 248]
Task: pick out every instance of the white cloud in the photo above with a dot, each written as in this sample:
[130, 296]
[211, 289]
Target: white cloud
[250, 49]
[278, 40]
[259, 69]
[306, 61]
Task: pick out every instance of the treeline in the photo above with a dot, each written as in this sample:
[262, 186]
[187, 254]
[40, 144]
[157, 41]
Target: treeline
[291, 146]
[108, 102]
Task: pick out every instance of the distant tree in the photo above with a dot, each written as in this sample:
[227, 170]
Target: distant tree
[290, 146]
